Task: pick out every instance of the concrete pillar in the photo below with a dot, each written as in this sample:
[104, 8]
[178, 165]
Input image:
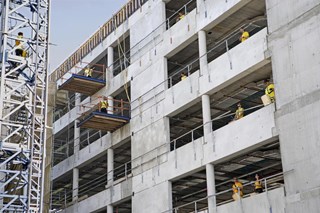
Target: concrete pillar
[110, 103]
[110, 63]
[206, 113]
[211, 188]
[110, 165]
[109, 209]
[203, 52]
[76, 143]
[75, 184]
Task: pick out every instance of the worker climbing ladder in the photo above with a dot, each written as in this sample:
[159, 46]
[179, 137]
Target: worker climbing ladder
[23, 103]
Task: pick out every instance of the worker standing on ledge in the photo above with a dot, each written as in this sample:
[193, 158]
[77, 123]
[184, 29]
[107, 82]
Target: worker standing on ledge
[239, 112]
[180, 16]
[258, 185]
[237, 188]
[103, 105]
[183, 76]
[269, 91]
[244, 35]
[88, 72]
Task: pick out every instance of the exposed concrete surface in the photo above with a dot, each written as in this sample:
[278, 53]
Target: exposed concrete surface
[294, 44]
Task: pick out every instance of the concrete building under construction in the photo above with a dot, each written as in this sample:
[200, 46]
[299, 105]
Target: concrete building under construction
[172, 73]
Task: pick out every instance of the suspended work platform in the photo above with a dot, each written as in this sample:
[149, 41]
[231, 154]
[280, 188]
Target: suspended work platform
[103, 121]
[82, 84]
[116, 115]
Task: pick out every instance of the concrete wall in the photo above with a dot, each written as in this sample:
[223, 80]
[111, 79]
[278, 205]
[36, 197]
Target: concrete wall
[294, 45]
[250, 132]
[272, 201]
[99, 201]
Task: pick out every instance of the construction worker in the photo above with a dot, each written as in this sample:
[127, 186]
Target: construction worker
[244, 35]
[19, 46]
[103, 106]
[258, 185]
[269, 91]
[88, 72]
[239, 112]
[183, 76]
[180, 16]
[237, 188]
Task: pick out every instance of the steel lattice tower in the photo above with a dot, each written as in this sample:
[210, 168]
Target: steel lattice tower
[23, 103]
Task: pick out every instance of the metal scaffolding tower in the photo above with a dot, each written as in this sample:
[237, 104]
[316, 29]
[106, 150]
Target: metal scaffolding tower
[23, 103]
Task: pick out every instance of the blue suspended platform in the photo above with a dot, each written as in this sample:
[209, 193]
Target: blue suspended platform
[102, 121]
[82, 84]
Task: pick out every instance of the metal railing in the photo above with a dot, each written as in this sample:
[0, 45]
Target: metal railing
[197, 207]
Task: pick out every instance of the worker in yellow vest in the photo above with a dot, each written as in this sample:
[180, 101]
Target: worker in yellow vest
[103, 106]
[244, 35]
[239, 112]
[180, 16]
[269, 91]
[237, 188]
[258, 185]
[19, 47]
[88, 72]
[183, 76]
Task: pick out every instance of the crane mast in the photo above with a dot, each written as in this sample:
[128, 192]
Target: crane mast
[23, 103]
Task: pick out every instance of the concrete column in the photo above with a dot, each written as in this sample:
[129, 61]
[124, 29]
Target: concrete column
[75, 184]
[203, 52]
[109, 209]
[110, 165]
[206, 113]
[76, 143]
[211, 188]
[110, 63]
[110, 103]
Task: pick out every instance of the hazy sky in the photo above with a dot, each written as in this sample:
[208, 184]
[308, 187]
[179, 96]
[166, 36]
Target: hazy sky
[73, 21]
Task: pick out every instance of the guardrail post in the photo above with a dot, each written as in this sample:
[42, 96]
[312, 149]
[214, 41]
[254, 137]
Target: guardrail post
[228, 53]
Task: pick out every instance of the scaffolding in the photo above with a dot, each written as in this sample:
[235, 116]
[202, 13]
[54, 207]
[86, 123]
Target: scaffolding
[23, 103]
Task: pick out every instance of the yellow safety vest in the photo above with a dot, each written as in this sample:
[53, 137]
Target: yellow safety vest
[104, 104]
[88, 72]
[18, 43]
[239, 113]
[236, 186]
[257, 184]
[245, 36]
[183, 77]
[270, 90]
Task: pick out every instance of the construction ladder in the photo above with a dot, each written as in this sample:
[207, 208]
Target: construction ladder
[23, 103]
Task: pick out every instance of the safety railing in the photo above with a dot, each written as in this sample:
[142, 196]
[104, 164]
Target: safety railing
[223, 46]
[197, 132]
[180, 13]
[119, 107]
[122, 15]
[198, 205]
[94, 186]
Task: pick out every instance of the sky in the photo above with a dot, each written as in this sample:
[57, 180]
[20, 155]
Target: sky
[73, 21]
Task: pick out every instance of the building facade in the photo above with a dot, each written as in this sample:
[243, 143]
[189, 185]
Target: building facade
[173, 73]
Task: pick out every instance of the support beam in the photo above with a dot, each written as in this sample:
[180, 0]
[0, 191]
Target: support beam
[206, 113]
[75, 184]
[203, 52]
[110, 103]
[211, 187]
[109, 209]
[110, 165]
[110, 63]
